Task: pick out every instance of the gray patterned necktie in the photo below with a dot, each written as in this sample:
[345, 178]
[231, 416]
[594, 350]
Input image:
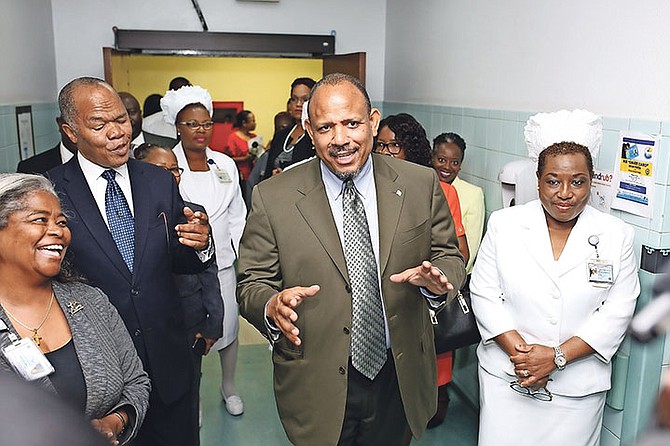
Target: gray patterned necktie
[368, 338]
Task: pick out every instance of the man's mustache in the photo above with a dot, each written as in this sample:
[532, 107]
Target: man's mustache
[337, 150]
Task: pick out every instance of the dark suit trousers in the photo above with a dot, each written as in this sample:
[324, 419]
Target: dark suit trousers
[175, 424]
[374, 414]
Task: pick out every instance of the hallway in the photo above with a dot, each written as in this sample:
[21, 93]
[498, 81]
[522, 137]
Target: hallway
[260, 425]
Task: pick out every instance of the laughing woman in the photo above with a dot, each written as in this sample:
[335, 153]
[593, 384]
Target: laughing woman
[85, 353]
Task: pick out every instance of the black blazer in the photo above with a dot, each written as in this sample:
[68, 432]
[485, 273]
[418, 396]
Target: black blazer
[200, 297]
[146, 299]
[41, 162]
[303, 150]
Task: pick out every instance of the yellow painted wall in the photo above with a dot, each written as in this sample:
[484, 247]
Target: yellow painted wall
[263, 84]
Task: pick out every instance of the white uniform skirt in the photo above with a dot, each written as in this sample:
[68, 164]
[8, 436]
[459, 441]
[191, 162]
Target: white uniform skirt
[509, 418]
[231, 323]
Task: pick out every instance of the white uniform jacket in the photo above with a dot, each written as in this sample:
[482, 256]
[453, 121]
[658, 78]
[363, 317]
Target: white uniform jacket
[221, 199]
[517, 285]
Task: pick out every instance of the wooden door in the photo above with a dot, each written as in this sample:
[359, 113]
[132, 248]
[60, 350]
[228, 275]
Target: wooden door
[353, 64]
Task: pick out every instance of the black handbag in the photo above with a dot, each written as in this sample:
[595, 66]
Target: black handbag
[454, 323]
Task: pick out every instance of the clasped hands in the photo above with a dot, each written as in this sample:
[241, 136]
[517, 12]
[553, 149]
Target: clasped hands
[195, 232]
[532, 365]
[281, 307]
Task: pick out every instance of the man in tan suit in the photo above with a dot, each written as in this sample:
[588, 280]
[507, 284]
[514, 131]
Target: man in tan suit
[298, 282]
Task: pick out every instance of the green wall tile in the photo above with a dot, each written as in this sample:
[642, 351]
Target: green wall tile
[467, 131]
[446, 124]
[615, 397]
[609, 150]
[662, 165]
[494, 135]
[612, 419]
[616, 124]
[479, 134]
[645, 126]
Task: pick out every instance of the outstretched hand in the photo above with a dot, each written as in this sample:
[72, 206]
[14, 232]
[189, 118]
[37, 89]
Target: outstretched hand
[281, 309]
[195, 232]
[427, 276]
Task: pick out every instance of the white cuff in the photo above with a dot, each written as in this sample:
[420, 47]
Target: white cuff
[208, 252]
[273, 331]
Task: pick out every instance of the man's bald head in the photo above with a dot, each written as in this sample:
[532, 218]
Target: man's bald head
[66, 104]
[334, 79]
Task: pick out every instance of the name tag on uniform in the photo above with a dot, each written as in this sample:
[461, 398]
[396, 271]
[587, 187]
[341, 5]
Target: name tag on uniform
[601, 272]
[222, 176]
[27, 359]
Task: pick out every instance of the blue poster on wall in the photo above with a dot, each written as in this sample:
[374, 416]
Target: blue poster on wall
[634, 184]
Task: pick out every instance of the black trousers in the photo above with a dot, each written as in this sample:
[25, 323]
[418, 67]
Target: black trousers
[374, 413]
[173, 424]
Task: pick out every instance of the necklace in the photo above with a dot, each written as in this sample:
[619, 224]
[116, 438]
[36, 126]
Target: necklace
[36, 337]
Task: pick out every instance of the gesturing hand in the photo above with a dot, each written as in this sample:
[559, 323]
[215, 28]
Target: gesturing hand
[195, 232]
[281, 309]
[427, 276]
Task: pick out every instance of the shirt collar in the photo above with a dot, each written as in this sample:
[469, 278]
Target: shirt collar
[363, 180]
[65, 154]
[93, 171]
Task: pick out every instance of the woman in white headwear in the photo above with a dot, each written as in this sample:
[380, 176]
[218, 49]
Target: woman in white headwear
[211, 179]
[553, 290]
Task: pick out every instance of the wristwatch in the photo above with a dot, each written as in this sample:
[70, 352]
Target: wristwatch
[559, 358]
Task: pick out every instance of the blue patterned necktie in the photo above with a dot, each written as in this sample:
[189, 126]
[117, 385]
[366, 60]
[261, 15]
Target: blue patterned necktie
[120, 220]
[368, 337]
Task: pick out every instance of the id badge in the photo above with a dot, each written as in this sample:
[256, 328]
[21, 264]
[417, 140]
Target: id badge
[223, 176]
[27, 359]
[601, 272]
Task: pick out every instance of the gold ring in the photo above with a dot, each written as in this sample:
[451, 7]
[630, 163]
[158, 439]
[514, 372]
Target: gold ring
[524, 373]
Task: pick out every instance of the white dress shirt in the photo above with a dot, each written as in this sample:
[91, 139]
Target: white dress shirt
[98, 185]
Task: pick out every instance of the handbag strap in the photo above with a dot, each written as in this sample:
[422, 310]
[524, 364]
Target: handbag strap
[462, 303]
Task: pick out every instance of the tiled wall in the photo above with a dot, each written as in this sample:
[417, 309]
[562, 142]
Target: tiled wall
[494, 138]
[44, 131]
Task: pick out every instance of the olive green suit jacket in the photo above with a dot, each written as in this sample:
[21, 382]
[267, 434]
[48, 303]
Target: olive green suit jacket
[291, 240]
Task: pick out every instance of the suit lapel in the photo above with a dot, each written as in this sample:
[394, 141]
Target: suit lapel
[577, 250]
[87, 210]
[141, 212]
[315, 209]
[390, 199]
[537, 241]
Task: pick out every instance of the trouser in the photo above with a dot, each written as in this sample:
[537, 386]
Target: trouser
[374, 413]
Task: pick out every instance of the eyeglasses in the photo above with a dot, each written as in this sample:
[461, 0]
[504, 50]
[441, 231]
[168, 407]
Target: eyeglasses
[194, 125]
[294, 99]
[541, 394]
[176, 171]
[392, 147]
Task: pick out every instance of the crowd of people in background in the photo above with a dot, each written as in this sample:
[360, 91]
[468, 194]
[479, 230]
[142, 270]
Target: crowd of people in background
[141, 248]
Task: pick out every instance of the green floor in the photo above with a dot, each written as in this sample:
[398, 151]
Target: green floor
[260, 426]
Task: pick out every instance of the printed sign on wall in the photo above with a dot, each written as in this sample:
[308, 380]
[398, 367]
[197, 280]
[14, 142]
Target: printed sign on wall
[634, 174]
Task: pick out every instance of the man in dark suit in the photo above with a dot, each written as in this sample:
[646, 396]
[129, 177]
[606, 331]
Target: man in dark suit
[99, 188]
[44, 161]
[302, 281]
